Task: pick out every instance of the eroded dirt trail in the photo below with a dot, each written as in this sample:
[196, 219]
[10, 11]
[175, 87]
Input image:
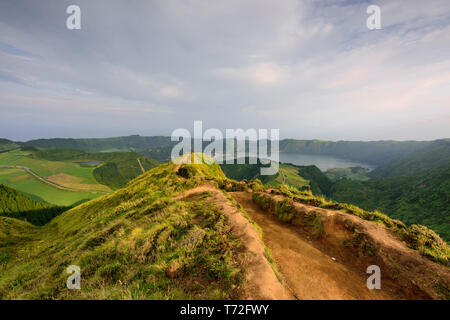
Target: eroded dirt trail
[308, 272]
[260, 281]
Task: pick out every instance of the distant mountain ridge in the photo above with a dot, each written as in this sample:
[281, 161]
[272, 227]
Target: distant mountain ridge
[159, 147]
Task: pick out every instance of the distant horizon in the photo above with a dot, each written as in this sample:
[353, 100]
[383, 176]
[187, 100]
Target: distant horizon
[168, 136]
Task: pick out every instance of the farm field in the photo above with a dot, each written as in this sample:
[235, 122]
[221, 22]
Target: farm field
[22, 181]
[64, 173]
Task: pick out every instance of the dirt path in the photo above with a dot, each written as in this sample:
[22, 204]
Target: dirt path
[308, 272]
[140, 164]
[260, 281]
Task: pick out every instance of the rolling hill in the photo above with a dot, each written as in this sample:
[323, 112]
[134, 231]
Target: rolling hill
[188, 232]
[6, 145]
[16, 205]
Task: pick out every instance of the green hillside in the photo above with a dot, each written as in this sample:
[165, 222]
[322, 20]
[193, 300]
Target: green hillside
[417, 190]
[435, 155]
[161, 248]
[6, 145]
[145, 242]
[414, 188]
[16, 205]
[300, 177]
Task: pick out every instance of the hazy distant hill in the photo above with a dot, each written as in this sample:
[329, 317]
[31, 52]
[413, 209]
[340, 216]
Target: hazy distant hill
[375, 152]
[434, 155]
[6, 145]
[159, 147]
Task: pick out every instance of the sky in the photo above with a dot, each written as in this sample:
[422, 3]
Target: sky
[311, 69]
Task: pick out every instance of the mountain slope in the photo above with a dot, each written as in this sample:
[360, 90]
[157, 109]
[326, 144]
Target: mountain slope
[436, 155]
[414, 188]
[16, 205]
[176, 232]
[6, 145]
[139, 242]
[375, 152]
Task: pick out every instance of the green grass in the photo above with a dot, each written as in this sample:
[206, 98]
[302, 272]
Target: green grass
[136, 243]
[287, 174]
[45, 168]
[16, 205]
[40, 191]
[116, 169]
[60, 166]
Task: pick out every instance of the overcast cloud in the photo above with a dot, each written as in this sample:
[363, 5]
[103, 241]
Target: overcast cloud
[310, 68]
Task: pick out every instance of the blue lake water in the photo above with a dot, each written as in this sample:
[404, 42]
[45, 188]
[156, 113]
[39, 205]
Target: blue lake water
[321, 161]
[89, 163]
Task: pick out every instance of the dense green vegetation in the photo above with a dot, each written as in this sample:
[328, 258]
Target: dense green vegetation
[419, 198]
[353, 173]
[319, 182]
[16, 205]
[301, 177]
[287, 174]
[242, 171]
[414, 188]
[436, 155]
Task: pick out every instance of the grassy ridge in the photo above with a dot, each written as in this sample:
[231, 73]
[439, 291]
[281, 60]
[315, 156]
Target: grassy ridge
[136, 243]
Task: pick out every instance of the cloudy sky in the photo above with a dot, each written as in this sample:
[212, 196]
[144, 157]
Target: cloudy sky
[310, 68]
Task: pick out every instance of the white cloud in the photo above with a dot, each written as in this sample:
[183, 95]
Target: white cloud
[310, 68]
